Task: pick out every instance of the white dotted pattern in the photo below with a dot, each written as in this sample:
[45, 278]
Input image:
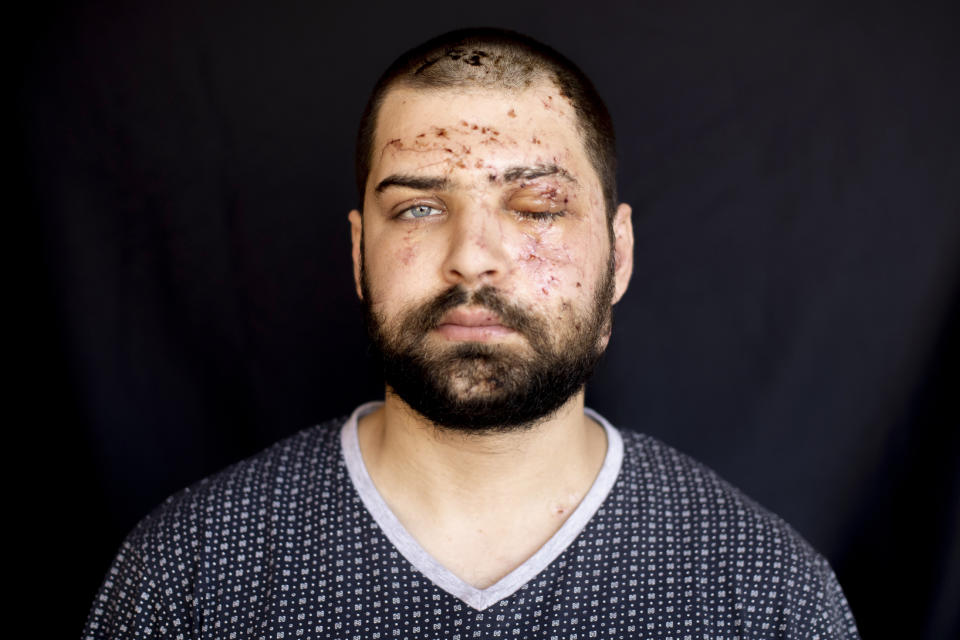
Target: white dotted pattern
[280, 546]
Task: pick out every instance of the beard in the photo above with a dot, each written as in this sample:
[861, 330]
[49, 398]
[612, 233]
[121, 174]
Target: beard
[476, 387]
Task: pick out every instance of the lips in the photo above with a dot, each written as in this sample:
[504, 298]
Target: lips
[477, 325]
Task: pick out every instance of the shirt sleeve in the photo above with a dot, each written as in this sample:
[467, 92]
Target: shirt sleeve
[820, 610]
[148, 590]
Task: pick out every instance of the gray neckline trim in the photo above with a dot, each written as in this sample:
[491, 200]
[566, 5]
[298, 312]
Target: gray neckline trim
[426, 564]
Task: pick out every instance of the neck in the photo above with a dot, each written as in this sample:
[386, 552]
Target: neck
[448, 475]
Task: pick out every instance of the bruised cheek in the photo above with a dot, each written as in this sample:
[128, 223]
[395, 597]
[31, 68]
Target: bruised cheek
[547, 263]
[389, 263]
[405, 255]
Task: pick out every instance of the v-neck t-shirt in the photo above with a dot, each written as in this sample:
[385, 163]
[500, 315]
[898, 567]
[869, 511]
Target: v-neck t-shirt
[296, 542]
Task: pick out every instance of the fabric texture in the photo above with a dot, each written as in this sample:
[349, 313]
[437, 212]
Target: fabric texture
[282, 545]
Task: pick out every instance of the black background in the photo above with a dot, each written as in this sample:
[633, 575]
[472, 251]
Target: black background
[792, 320]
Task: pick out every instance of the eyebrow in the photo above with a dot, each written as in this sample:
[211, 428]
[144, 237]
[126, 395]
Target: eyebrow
[411, 182]
[514, 174]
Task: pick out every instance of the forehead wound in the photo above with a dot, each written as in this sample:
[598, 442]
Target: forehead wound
[518, 118]
[468, 145]
[480, 66]
[460, 134]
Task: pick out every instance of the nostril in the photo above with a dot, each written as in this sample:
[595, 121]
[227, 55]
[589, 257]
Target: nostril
[473, 251]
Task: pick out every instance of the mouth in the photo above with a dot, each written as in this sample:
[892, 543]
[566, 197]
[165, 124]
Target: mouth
[474, 325]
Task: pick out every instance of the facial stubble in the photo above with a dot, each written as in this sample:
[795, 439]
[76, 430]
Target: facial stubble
[480, 387]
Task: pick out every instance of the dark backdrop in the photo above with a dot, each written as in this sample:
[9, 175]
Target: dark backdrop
[792, 319]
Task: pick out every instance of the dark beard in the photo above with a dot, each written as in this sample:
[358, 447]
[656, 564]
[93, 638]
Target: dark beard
[482, 388]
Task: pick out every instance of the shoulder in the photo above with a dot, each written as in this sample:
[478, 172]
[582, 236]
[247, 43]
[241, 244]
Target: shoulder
[176, 556]
[283, 468]
[685, 490]
[733, 552]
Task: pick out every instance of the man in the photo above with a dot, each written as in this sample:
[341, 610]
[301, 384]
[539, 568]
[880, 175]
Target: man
[480, 499]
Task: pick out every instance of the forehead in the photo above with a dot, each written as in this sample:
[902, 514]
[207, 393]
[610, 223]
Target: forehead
[460, 131]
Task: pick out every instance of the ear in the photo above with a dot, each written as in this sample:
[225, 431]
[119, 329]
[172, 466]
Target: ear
[356, 236]
[622, 250]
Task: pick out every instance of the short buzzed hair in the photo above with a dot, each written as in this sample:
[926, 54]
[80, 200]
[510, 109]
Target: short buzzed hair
[496, 59]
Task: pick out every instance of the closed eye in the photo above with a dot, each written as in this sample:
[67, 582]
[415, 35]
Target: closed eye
[418, 211]
[540, 215]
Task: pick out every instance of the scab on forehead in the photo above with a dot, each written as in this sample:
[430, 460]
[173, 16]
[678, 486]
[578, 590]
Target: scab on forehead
[469, 127]
[447, 139]
[474, 58]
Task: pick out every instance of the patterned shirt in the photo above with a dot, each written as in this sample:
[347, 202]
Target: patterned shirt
[296, 542]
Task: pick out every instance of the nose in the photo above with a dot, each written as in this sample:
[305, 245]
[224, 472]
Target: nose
[476, 254]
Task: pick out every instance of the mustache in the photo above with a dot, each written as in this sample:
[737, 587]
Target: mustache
[428, 316]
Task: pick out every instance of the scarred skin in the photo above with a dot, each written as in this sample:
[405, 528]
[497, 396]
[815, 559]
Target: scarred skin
[479, 229]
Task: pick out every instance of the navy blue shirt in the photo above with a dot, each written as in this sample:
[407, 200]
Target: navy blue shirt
[294, 543]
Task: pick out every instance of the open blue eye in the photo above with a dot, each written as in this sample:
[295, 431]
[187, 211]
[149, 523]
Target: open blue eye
[419, 211]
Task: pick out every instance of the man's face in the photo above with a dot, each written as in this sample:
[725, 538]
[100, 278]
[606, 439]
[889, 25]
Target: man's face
[483, 255]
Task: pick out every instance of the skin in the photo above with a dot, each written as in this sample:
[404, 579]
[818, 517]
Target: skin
[452, 198]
